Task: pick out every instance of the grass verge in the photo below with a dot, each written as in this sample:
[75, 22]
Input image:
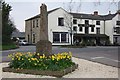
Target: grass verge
[8, 47]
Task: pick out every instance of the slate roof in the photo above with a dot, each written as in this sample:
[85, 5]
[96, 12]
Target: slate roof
[18, 34]
[82, 16]
[92, 16]
[38, 16]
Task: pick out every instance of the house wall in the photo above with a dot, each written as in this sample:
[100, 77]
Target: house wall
[53, 24]
[109, 30]
[116, 18]
[91, 22]
[30, 30]
[52, 27]
[105, 27]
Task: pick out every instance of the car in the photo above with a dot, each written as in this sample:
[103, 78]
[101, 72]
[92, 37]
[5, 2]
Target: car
[23, 42]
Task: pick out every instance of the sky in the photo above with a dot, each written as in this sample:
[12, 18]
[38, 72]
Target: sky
[25, 9]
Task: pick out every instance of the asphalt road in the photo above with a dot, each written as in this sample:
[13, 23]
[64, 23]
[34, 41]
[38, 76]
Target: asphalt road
[105, 55]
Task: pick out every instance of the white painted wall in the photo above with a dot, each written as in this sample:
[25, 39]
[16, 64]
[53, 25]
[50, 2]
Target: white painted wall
[53, 24]
[109, 30]
[91, 22]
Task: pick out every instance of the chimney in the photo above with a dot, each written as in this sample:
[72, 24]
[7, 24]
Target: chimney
[109, 12]
[95, 13]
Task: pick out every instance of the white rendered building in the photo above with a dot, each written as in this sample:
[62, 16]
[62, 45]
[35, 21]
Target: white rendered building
[64, 26]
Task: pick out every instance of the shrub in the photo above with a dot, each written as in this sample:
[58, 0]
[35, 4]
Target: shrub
[30, 61]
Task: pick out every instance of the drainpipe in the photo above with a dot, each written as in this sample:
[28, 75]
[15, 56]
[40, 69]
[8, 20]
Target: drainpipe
[104, 26]
[31, 32]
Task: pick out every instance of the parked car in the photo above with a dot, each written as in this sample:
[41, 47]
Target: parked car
[23, 42]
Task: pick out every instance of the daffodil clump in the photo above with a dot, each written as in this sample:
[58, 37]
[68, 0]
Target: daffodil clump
[30, 60]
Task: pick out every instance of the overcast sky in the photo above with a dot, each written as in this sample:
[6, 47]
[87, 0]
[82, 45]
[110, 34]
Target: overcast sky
[23, 9]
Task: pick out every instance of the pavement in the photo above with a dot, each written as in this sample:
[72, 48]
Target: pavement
[86, 69]
[108, 55]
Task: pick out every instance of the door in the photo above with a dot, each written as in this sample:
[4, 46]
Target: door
[86, 30]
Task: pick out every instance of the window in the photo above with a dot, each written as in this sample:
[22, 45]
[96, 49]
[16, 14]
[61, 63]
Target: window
[115, 29]
[56, 37]
[98, 30]
[118, 30]
[60, 21]
[97, 22]
[37, 23]
[75, 28]
[86, 21]
[63, 37]
[92, 25]
[33, 38]
[80, 28]
[117, 22]
[60, 37]
[33, 23]
[28, 37]
[92, 29]
[74, 21]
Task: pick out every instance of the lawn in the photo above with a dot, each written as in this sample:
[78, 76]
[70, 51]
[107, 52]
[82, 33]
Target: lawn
[8, 47]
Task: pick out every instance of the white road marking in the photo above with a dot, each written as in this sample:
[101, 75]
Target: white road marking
[105, 58]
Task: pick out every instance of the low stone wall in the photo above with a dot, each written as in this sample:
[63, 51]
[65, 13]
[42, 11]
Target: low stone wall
[40, 72]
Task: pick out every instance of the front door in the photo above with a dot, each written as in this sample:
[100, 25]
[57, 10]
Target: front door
[86, 30]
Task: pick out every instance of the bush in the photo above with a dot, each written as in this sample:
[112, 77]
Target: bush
[83, 43]
[41, 62]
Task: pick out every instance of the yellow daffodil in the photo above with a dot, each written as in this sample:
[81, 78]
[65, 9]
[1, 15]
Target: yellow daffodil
[32, 59]
[38, 54]
[68, 57]
[12, 58]
[22, 59]
[18, 58]
[53, 57]
[41, 57]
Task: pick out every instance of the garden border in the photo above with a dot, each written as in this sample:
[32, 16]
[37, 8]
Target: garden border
[41, 72]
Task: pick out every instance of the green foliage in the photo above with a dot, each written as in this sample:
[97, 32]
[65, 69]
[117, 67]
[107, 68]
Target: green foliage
[29, 61]
[8, 47]
[7, 25]
[83, 43]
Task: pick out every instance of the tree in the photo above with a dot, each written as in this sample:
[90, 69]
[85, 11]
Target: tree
[73, 7]
[7, 25]
[69, 17]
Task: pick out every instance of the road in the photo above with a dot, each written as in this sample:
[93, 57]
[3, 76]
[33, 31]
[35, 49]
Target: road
[105, 55]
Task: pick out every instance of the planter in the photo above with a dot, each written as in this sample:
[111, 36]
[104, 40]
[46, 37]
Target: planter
[45, 72]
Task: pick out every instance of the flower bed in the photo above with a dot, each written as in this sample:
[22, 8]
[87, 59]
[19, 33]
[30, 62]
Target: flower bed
[60, 63]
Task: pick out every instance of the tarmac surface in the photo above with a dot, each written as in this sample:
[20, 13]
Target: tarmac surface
[108, 55]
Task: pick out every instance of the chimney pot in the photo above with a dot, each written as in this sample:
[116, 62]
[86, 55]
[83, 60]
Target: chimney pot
[109, 12]
[95, 12]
